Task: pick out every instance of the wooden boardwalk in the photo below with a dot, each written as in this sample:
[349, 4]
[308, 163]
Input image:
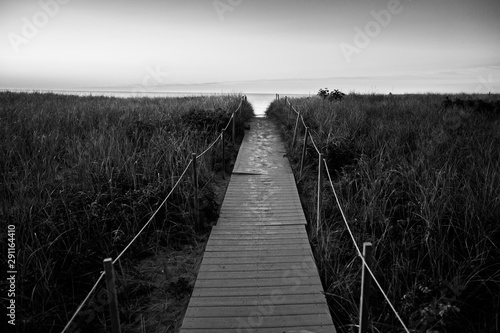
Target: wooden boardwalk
[258, 272]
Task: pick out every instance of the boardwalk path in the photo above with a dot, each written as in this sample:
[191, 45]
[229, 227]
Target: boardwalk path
[258, 273]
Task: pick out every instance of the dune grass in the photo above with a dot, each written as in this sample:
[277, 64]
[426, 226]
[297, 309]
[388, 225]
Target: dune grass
[419, 177]
[81, 175]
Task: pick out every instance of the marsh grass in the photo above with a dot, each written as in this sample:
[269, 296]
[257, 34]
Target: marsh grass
[419, 180]
[81, 175]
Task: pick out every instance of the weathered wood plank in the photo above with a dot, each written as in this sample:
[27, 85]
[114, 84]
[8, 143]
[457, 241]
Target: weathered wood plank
[256, 319]
[248, 267]
[256, 274]
[291, 329]
[259, 253]
[259, 291]
[277, 247]
[259, 282]
[247, 236]
[246, 300]
[265, 307]
[257, 241]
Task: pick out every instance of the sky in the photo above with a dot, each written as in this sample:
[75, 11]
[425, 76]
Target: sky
[295, 46]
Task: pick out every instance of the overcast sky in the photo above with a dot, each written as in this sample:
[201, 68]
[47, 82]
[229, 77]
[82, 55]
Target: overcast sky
[56, 44]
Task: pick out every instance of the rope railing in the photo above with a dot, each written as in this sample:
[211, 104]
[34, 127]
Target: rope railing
[366, 266]
[232, 120]
[211, 146]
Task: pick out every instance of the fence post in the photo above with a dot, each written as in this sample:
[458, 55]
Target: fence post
[195, 184]
[365, 289]
[304, 150]
[320, 192]
[295, 130]
[233, 126]
[223, 153]
[112, 297]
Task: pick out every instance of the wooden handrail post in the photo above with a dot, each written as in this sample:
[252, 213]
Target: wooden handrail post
[320, 192]
[223, 153]
[234, 127]
[295, 130]
[304, 150]
[365, 289]
[195, 185]
[112, 297]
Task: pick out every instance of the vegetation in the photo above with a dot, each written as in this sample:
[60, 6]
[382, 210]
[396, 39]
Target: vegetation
[334, 95]
[419, 177]
[81, 175]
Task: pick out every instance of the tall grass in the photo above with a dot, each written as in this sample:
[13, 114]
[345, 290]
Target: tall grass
[79, 177]
[422, 183]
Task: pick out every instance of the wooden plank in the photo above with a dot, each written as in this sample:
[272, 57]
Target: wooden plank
[259, 320]
[262, 220]
[275, 235]
[258, 253]
[256, 274]
[291, 329]
[244, 300]
[280, 228]
[246, 267]
[305, 260]
[271, 247]
[258, 291]
[256, 241]
[265, 307]
[259, 282]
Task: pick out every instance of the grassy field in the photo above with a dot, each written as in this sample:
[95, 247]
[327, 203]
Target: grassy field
[81, 175]
[419, 177]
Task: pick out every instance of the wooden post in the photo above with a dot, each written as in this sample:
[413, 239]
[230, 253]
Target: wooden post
[195, 185]
[112, 297]
[223, 154]
[365, 289]
[320, 192]
[304, 150]
[286, 99]
[295, 130]
[234, 127]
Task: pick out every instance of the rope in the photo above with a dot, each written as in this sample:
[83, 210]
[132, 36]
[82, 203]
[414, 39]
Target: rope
[210, 147]
[303, 122]
[359, 251]
[229, 122]
[83, 303]
[314, 144]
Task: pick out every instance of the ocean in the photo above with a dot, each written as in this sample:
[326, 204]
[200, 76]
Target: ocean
[259, 101]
